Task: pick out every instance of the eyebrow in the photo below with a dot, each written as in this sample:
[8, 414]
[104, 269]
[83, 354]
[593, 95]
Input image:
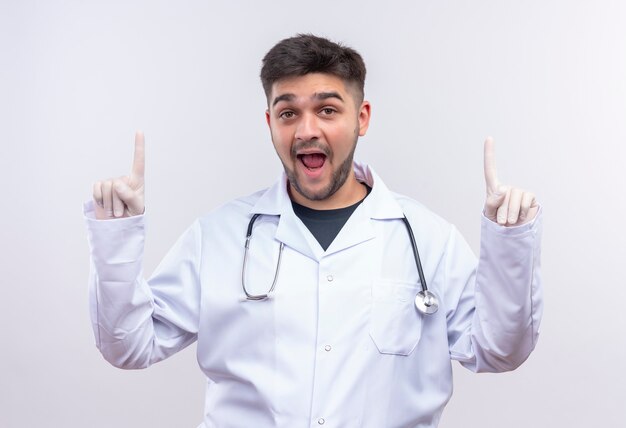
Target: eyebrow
[326, 95]
[283, 97]
[317, 95]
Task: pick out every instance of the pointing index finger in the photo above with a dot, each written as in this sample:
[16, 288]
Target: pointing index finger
[491, 174]
[139, 161]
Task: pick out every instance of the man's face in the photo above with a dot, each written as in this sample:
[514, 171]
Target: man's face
[315, 122]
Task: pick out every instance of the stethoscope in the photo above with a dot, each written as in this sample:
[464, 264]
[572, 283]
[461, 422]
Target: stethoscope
[425, 301]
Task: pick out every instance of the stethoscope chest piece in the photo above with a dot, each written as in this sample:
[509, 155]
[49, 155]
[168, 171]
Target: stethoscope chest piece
[426, 302]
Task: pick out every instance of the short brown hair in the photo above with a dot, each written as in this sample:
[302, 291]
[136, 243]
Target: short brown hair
[306, 53]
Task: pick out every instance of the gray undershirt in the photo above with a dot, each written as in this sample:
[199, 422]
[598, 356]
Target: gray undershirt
[325, 224]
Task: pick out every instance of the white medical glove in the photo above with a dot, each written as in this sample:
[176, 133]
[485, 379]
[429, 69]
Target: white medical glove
[123, 196]
[505, 205]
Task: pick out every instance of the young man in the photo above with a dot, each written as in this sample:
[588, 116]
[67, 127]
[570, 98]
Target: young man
[322, 317]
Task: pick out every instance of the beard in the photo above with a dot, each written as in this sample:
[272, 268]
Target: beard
[338, 176]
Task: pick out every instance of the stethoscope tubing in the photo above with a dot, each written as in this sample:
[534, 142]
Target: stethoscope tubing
[425, 301]
[416, 254]
[245, 262]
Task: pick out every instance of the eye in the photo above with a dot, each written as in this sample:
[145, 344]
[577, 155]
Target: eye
[287, 114]
[328, 111]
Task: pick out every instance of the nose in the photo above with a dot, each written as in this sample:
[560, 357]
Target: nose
[308, 128]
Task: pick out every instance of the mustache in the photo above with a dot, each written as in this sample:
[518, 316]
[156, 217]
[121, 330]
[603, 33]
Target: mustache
[310, 144]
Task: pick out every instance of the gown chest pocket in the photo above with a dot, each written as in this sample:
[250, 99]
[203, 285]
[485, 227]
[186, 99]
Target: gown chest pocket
[395, 325]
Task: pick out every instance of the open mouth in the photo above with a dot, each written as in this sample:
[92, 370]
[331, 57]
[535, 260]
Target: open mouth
[312, 161]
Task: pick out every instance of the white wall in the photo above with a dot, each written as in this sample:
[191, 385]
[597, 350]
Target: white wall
[546, 78]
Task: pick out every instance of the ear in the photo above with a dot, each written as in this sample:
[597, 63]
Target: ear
[267, 117]
[365, 113]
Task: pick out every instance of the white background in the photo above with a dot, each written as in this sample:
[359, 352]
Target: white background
[546, 78]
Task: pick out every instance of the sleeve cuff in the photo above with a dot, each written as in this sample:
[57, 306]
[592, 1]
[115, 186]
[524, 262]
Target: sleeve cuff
[115, 241]
[523, 229]
[113, 224]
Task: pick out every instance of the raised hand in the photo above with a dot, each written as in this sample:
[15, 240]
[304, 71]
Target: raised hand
[506, 205]
[123, 196]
